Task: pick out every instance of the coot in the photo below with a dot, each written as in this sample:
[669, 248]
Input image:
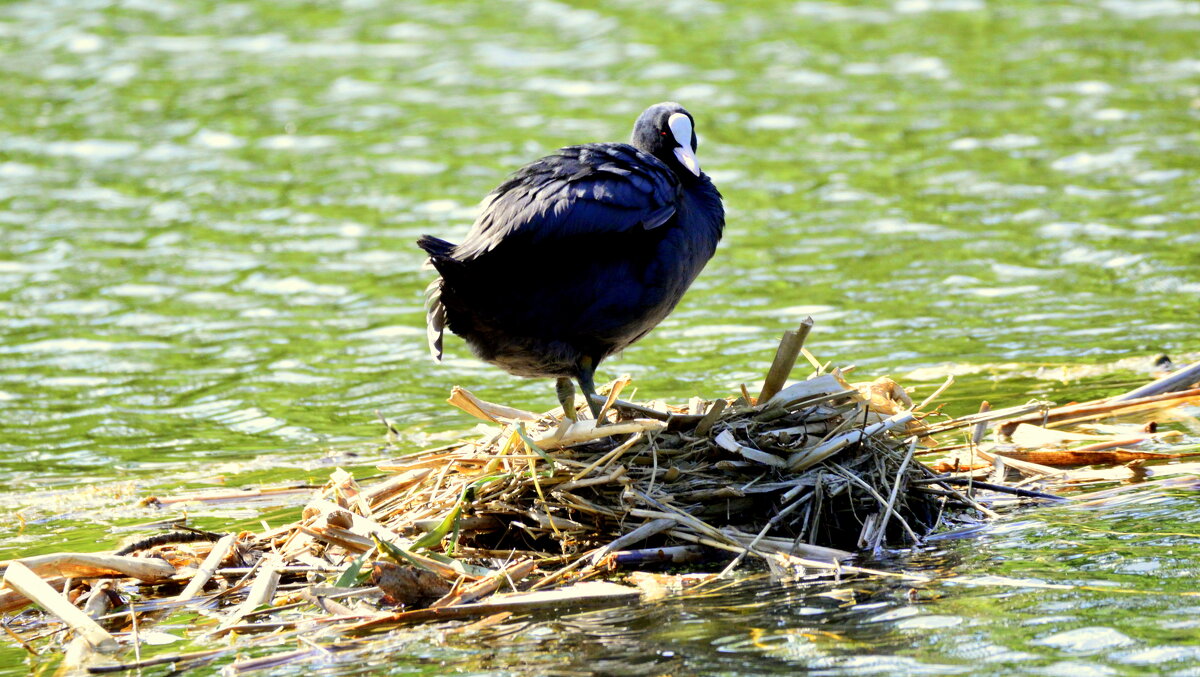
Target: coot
[579, 254]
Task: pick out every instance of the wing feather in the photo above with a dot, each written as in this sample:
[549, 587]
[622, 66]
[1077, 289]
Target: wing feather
[594, 189]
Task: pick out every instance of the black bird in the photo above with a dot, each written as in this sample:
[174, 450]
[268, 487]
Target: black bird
[579, 254]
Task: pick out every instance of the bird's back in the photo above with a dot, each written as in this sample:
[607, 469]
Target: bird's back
[577, 254]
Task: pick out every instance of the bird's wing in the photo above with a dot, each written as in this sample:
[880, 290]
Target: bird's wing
[581, 190]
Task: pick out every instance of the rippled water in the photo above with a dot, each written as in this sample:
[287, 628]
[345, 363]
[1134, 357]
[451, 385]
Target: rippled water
[207, 273]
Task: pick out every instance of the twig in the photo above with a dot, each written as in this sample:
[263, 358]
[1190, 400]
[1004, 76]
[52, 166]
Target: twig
[1000, 488]
[486, 586]
[803, 460]
[891, 502]
[967, 500]
[563, 571]
[608, 458]
[761, 534]
[875, 494]
[993, 415]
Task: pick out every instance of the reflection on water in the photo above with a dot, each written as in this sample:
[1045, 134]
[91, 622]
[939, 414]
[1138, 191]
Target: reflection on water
[207, 270]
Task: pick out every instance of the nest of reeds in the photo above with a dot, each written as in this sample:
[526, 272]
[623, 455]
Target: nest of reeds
[811, 471]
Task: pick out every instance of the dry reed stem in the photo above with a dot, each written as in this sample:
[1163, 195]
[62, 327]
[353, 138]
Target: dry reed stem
[785, 359]
[219, 552]
[22, 579]
[91, 565]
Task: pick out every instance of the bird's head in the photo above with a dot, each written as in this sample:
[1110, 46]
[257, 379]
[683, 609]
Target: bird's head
[665, 130]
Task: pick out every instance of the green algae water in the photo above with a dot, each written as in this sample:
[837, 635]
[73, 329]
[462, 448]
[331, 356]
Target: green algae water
[208, 278]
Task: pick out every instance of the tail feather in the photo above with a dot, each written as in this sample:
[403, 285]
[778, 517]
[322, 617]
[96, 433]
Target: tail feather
[437, 248]
[435, 318]
[435, 312]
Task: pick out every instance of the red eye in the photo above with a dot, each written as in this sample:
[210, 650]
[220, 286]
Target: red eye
[663, 133]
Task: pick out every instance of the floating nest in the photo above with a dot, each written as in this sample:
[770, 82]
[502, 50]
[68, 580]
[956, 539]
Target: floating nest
[804, 478]
[810, 472]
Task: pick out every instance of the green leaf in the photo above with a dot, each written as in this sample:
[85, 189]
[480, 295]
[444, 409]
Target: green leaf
[450, 521]
[533, 447]
[353, 575]
[399, 555]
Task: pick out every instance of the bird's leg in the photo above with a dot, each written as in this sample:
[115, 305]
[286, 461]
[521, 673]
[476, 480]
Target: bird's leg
[587, 369]
[566, 396]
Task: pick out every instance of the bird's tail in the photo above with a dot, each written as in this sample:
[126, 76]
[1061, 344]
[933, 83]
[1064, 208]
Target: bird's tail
[435, 318]
[437, 248]
[435, 312]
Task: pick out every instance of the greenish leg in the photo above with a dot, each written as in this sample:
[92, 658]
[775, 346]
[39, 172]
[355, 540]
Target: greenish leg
[566, 396]
[587, 369]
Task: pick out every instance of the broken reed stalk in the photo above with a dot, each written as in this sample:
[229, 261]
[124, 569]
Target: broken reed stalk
[1000, 488]
[91, 565]
[785, 359]
[219, 551]
[261, 591]
[1076, 413]
[980, 429]
[1180, 379]
[22, 579]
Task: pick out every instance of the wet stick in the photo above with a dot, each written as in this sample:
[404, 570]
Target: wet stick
[638, 535]
[785, 360]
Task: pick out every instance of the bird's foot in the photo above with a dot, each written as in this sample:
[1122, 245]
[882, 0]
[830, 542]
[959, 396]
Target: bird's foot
[587, 368]
[595, 407]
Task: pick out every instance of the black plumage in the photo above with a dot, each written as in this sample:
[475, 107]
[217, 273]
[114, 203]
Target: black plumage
[579, 254]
